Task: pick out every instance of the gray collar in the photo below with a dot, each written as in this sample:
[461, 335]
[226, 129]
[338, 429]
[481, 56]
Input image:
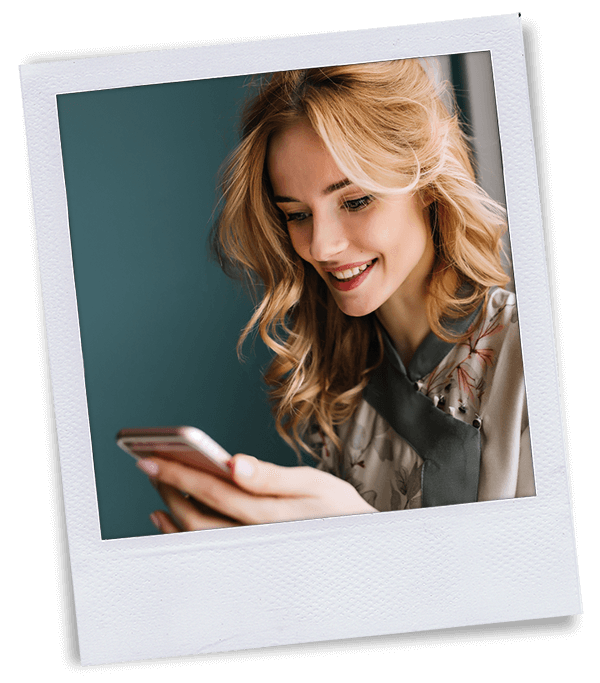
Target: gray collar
[450, 449]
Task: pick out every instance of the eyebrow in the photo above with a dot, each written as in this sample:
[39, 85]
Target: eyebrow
[334, 187]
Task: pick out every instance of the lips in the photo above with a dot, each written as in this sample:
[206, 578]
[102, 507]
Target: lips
[349, 273]
[351, 276]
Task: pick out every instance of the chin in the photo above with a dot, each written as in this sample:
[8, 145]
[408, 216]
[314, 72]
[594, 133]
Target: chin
[356, 309]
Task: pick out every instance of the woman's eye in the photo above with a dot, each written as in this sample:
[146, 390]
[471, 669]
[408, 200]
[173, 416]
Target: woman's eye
[296, 217]
[358, 204]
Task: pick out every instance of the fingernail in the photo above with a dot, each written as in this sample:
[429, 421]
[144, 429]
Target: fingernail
[148, 466]
[244, 467]
[155, 520]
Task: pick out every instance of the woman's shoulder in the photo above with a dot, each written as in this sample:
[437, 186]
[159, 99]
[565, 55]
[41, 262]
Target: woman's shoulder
[490, 370]
[497, 335]
[502, 303]
[462, 381]
[495, 332]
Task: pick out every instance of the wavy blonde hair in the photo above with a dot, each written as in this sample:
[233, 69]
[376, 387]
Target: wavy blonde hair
[388, 131]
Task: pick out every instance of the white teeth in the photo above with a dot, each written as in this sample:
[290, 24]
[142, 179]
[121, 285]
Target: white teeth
[353, 272]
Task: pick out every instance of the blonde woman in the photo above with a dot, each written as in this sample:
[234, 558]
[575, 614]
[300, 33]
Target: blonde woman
[351, 206]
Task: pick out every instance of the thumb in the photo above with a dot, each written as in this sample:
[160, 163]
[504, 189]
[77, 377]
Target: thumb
[243, 470]
[265, 478]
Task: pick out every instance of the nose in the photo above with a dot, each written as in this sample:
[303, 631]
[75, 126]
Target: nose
[328, 238]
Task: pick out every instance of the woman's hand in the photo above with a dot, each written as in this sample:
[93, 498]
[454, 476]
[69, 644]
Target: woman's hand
[259, 493]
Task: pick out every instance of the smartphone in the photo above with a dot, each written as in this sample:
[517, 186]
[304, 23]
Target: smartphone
[187, 445]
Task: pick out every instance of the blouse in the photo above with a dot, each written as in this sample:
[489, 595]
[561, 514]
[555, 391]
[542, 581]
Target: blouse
[451, 427]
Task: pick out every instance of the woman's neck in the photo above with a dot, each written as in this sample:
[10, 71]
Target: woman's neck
[404, 314]
[407, 325]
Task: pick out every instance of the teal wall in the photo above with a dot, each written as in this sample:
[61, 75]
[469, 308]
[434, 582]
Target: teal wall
[159, 322]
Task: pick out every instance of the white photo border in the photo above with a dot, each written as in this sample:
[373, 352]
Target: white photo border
[313, 580]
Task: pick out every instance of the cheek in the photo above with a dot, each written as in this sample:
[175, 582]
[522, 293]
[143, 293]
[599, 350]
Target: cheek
[300, 240]
[410, 236]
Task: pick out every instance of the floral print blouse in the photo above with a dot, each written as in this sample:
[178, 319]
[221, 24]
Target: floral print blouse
[479, 383]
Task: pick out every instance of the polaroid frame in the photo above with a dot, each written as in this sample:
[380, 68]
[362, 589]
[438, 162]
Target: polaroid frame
[323, 579]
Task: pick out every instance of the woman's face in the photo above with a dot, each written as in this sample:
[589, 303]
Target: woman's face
[368, 249]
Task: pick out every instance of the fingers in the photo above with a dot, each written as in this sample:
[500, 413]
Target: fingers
[259, 492]
[163, 522]
[265, 478]
[188, 514]
[222, 497]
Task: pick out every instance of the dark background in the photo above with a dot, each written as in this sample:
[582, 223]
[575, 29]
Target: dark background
[159, 321]
[43, 621]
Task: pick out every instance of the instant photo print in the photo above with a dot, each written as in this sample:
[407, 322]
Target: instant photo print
[126, 154]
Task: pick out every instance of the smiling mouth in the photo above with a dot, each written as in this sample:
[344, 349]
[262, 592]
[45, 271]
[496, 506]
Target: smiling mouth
[351, 273]
[351, 278]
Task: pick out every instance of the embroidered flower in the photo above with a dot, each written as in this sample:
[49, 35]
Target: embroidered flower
[484, 355]
[406, 488]
[465, 381]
